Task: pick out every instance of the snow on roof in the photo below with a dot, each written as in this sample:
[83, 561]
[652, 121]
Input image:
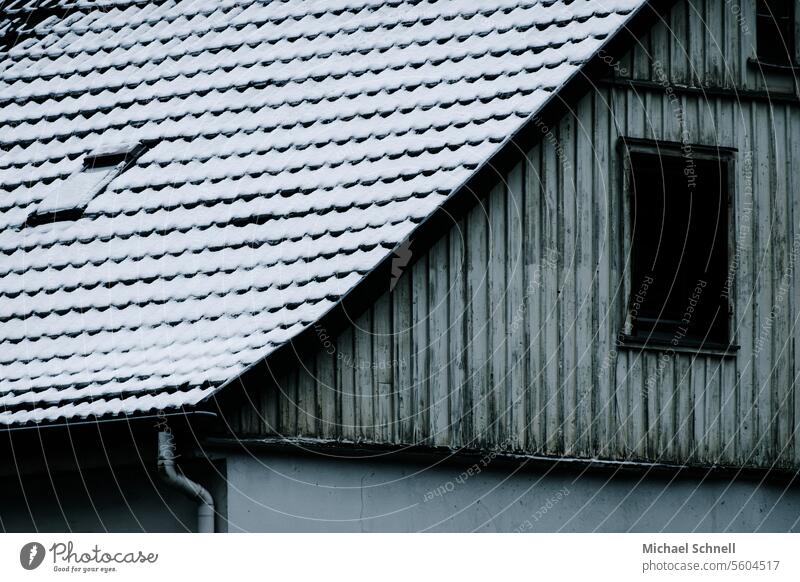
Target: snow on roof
[293, 144]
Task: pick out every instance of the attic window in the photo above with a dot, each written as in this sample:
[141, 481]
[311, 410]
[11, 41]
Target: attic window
[775, 32]
[680, 237]
[69, 197]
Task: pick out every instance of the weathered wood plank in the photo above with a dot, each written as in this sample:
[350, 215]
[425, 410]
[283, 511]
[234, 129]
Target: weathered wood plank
[287, 386]
[793, 186]
[765, 283]
[603, 321]
[383, 364]
[477, 323]
[497, 399]
[346, 379]
[696, 43]
[783, 263]
[403, 381]
[459, 400]
[638, 126]
[697, 396]
[551, 336]
[678, 44]
[516, 309]
[569, 299]
[745, 286]
[420, 351]
[714, 38]
[618, 259]
[533, 240]
[439, 287]
[586, 333]
[326, 388]
[306, 398]
[268, 413]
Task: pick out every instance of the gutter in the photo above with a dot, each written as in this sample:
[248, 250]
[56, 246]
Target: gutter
[173, 476]
[96, 421]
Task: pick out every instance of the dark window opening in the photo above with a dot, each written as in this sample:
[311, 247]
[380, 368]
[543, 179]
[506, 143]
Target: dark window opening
[113, 156]
[46, 217]
[775, 32]
[680, 249]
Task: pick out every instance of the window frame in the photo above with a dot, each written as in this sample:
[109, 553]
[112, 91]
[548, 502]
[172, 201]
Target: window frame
[759, 62]
[628, 146]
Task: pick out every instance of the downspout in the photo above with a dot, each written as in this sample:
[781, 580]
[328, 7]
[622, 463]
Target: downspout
[170, 474]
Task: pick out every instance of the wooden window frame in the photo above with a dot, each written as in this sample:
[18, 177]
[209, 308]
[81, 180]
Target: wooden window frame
[756, 59]
[628, 146]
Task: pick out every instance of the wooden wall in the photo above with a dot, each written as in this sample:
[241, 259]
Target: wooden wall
[705, 43]
[503, 334]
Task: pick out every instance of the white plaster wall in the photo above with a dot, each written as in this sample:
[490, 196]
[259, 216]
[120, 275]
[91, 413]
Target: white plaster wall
[281, 493]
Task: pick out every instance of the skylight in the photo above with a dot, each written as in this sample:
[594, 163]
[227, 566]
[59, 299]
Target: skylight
[69, 198]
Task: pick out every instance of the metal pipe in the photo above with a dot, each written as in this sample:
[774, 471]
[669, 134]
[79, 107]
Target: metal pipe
[170, 474]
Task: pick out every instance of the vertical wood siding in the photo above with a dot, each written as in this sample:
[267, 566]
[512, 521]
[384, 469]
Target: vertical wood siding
[503, 334]
[704, 43]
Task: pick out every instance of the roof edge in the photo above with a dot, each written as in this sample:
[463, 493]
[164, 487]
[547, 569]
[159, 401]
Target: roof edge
[98, 421]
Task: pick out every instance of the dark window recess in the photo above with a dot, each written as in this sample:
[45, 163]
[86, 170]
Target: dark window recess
[680, 248]
[39, 218]
[113, 156]
[775, 32]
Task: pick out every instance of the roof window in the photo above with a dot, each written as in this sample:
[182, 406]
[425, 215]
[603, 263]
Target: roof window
[70, 197]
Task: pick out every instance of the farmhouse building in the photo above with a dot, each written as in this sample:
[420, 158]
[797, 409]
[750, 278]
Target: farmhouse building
[399, 265]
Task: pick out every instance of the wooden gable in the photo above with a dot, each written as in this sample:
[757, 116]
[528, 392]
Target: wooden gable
[503, 335]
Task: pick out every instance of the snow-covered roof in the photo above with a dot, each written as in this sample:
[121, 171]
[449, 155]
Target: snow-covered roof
[291, 145]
